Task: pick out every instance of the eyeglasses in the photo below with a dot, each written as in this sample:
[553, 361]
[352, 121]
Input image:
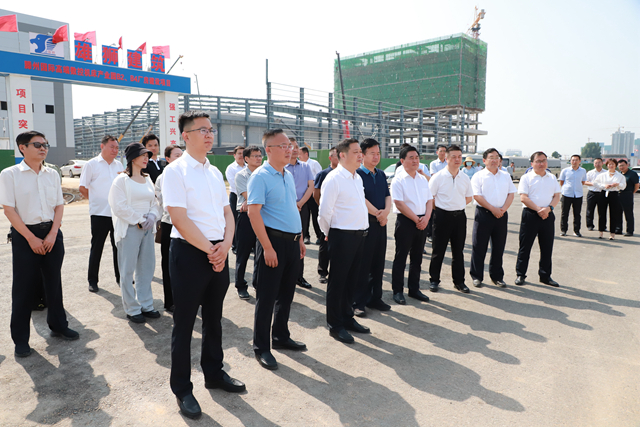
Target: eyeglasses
[204, 131]
[39, 145]
[256, 156]
[283, 146]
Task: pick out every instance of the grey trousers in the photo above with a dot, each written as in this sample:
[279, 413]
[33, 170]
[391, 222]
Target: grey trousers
[136, 253]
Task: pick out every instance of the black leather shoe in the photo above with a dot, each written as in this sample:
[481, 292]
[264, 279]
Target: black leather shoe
[550, 282]
[399, 298]
[379, 305]
[590, 228]
[303, 283]
[419, 296]
[190, 407]
[628, 234]
[170, 309]
[67, 334]
[226, 383]
[153, 314]
[462, 288]
[519, 280]
[289, 344]
[429, 239]
[424, 252]
[499, 283]
[477, 283]
[307, 241]
[23, 351]
[323, 279]
[577, 234]
[243, 294]
[93, 287]
[342, 335]
[564, 233]
[357, 327]
[138, 318]
[359, 312]
[267, 360]
[433, 286]
[318, 242]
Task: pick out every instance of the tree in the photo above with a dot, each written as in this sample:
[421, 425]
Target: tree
[555, 155]
[591, 150]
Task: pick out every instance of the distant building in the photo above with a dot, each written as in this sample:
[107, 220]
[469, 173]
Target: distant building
[606, 150]
[623, 142]
[513, 152]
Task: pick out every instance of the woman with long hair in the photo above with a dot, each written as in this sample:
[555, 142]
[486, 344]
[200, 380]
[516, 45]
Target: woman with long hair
[611, 183]
[134, 211]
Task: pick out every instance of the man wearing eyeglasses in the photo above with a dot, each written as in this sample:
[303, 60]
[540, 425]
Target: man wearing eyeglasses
[276, 221]
[95, 182]
[195, 196]
[31, 196]
[245, 237]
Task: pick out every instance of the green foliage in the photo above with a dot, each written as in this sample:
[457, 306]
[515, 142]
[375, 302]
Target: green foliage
[555, 155]
[590, 150]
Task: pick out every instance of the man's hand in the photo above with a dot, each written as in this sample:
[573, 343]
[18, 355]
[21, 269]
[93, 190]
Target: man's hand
[544, 212]
[422, 224]
[383, 221]
[271, 258]
[49, 241]
[37, 245]
[218, 256]
[243, 207]
[299, 205]
[497, 212]
[303, 249]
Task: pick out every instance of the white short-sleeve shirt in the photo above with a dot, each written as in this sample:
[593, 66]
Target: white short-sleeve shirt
[493, 187]
[413, 191]
[230, 173]
[97, 176]
[450, 193]
[342, 202]
[33, 195]
[200, 189]
[540, 189]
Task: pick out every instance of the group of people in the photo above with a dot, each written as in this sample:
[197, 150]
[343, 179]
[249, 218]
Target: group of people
[183, 201]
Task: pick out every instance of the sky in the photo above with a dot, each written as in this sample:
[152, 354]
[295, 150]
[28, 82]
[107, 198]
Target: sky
[559, 73]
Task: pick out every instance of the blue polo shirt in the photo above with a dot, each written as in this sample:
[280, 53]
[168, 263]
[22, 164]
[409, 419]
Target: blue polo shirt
[301, 176]
[317, 183]
[375, 186]
[277, 195]
[572, 186]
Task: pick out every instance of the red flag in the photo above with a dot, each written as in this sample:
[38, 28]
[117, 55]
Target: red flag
[9, 23]
[86, 37]
[61, 35]
[143, 47]
[120, 43]
[161, 50]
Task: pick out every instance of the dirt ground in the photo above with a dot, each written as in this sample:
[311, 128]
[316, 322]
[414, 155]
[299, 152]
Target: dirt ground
[527, 356]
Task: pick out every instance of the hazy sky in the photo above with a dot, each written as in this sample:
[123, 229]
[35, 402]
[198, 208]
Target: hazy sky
[558, 72]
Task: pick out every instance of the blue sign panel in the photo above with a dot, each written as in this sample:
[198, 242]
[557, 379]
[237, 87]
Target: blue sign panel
[134, 59]
[83, 51]
[47, 68]
[109, 55]
[157, 63]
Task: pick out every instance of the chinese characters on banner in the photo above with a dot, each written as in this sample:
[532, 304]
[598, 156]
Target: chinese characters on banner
[20, 104]
[169, 112]
[157, 63]
[83, 51]
[134, 59]
[109, 55]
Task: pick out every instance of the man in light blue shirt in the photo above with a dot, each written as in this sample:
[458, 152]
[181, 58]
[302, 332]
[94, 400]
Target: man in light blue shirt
[441, 162]
[571, 180]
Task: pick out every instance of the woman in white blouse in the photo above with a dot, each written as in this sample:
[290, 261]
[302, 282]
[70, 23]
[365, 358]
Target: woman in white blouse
[611, 183]
[171, 153]
[134, 211]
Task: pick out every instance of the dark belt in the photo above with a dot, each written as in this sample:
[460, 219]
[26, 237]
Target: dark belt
[181, 240]
[41, 226]
[363, 233]
[452, 213]
[283, 235]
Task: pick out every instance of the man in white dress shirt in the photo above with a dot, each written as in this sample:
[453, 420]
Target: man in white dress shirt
[571, 181]
[95, 182]
[493, 192]
[316, 168]
[195, 196]
[595, 196]
[343, 218]
[230, 173]
[413, 204]
[31, 197]
[539, 192]
[452, 191]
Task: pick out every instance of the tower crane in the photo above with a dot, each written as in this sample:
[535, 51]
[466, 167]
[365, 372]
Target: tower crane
[474, 30]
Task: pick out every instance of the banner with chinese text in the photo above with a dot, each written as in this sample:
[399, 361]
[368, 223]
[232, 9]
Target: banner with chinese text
[109, 55]
[84, 51]
[20, 100]
[134, 59]
[157, 63]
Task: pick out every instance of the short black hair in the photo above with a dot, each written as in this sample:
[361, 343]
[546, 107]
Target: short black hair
[623, 161]
[304, 150]
[453, 147]
[107, 138]
[25, 137]
[489, 151]
[149, 137]
[441, 146]
[598, 158]
[268, 134]
[238, 148]
[536, 154]
[250, 149]
[368, 143]
[168, 150]
[406, 150]
[343, 146]
[576, 155]
[188, 117]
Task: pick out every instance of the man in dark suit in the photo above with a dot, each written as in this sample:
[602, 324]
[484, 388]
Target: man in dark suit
[154, 167]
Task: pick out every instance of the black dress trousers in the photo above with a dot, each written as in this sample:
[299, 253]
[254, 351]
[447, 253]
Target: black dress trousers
[532, 226]
[195, 284]
[626, 206]
[245, 244]
[486, 227]
[612, 202]
[233, 204]
[101, 226]
[312, 207]
[409, 241]
[274, 292]
[568, 203]
[369, 287]
[448, 226]
[345, 250]
[165, 242]
[594, 200]
[30, 270]
[323, 257]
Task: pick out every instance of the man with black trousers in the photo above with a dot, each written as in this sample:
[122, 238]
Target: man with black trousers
[539, 193]
[378, 199]
[95, 182]
[413, 204]
[595, 195]
[452, 192]
[343, 219]
[195, 196]
[230, 173]
[312, 205]
[155, 167]
[245, 237]
[571, 181]
[493, 193]
[323, 250]
[31, 197]
[276, 221]
[626, 196]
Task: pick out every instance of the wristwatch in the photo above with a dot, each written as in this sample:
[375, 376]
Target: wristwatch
[551, 207]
